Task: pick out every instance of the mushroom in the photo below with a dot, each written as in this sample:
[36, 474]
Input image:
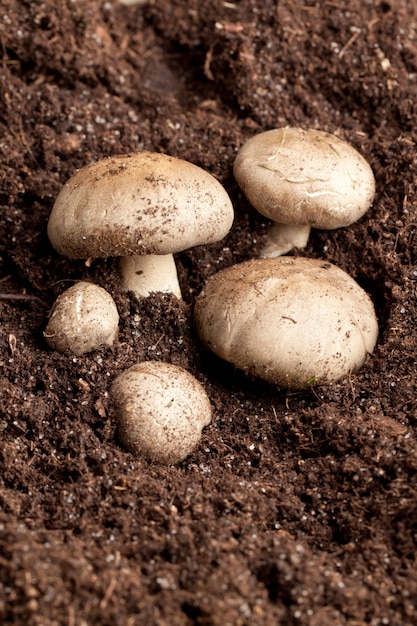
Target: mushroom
[83, 318]
[303, 178]
[161, 410]
[291, 321]
[144, 206]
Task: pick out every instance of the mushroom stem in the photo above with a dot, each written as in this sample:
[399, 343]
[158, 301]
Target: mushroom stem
[145, 274]
[284, 237]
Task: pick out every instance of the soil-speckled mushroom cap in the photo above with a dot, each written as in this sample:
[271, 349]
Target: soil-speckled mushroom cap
[291, 321]
[161, 410]
[83, 318]
[296, 176]
[143, 203]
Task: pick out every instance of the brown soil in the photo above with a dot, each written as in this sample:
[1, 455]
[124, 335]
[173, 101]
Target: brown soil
[298, 508]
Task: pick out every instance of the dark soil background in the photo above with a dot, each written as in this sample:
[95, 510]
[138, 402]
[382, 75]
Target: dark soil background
[298, 508]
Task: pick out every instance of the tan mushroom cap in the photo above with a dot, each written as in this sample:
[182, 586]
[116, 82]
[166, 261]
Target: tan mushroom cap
[291, 321]
[83, 318]
[296, 176]
[144, 203]
[161, 410]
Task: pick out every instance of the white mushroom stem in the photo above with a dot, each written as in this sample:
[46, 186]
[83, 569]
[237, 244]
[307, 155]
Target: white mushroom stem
[284, 237]
[150, 273]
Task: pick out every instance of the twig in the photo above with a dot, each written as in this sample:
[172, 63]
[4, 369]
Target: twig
[23, 297]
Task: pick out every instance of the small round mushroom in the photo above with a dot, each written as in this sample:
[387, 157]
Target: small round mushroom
[303, 178]
[83, 318]
[161, 410]
[145, 206]
[291, 321]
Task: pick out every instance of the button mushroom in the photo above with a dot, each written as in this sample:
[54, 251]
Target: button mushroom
[290, 321]
[303, 178]
[161, 410]
[142, 207]
[83, 318]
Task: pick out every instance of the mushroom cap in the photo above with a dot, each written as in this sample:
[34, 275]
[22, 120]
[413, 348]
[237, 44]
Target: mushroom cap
[296, 176]
[83, 318]
[291, 321]
[143, 203]
[161, 410]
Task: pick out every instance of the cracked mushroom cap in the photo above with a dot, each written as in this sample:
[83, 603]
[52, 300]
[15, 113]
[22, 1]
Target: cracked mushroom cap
[161, 410]
[144, 203]
[291, 321]
[83, 318]
[296, 176]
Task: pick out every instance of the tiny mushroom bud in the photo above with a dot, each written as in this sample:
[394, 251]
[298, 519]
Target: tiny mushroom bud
[83, 318]
[161, 410]
[141, 207]
[290, 321]
[303, 178]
